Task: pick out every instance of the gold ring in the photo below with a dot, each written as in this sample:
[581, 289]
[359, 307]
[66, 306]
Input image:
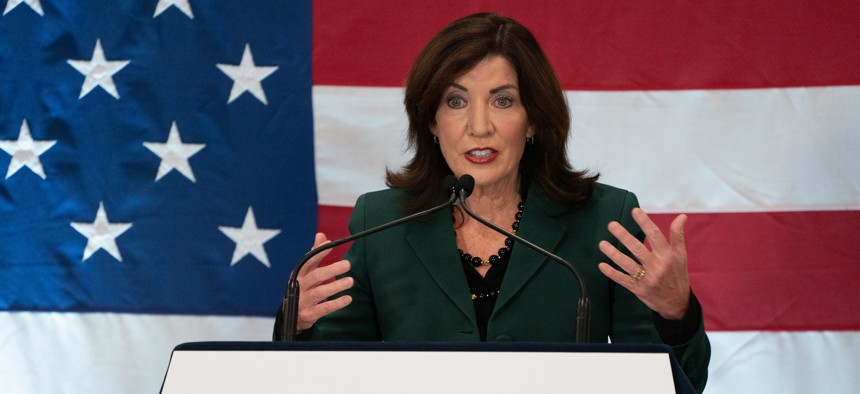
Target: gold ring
[639, 275]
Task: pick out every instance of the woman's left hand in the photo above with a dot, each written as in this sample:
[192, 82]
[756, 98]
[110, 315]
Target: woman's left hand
[661, 281]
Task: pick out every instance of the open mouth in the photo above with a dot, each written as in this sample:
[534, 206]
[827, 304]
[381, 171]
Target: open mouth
[481, 155]
[481, 152]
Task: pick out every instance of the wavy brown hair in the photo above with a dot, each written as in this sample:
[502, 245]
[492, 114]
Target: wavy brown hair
[454, 51]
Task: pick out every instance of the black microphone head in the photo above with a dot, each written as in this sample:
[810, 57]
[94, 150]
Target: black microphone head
[449, 184]
[466, 184]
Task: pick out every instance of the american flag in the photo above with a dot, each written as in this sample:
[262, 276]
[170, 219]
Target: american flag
[162, 161]
[157, 160]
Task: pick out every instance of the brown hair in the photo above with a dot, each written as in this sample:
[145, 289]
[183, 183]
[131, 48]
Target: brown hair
[454, 51]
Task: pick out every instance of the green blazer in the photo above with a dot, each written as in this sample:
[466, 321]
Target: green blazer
[410, 285]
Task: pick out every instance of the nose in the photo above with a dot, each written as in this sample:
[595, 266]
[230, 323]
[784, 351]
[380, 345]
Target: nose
[479, 121]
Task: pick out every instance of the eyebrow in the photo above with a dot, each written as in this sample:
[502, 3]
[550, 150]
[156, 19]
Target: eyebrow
[492, 91]
[503, 87]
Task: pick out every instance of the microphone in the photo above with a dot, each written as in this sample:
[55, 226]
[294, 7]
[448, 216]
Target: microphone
[290, 305]
[466, 185]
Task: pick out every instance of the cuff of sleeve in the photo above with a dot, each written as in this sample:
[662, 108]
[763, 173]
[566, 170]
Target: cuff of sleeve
[679, 332]
[305, 335]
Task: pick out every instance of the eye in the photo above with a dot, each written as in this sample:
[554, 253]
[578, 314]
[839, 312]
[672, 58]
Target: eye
[456, 102]
[504, 102]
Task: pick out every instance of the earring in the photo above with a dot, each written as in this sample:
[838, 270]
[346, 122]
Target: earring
[436, 140]
[530, 140]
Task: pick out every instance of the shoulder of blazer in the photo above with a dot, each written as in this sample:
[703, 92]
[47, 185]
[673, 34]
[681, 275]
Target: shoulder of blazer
[612, 201]
[609, 194]
[381, 205]
[384, 205]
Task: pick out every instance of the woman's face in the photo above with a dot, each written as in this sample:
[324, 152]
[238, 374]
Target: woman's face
[482, 125]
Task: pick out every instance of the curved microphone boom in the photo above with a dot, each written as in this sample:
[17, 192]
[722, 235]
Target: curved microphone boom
[290, 306]
[583, 308]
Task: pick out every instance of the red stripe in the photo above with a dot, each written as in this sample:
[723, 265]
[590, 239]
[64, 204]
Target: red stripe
[332, 221]
[639, 45]
[776, 270]
[755, 271]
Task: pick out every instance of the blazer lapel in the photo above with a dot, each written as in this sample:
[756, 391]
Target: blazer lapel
[434, 244]
[538, 226]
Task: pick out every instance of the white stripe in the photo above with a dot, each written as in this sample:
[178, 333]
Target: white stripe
[358, 132]
[784, 362]
[692, 151]
[105, 352]
[124, 353]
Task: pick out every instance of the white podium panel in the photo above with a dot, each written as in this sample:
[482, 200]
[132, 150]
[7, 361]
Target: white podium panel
[417, 371]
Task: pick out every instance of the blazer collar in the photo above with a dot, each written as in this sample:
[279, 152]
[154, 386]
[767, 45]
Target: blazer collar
[540, 227]
[433, 242]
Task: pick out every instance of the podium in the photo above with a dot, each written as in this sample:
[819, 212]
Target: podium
[395, 367]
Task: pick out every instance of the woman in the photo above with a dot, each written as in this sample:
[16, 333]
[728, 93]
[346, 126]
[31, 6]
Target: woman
[483, 100]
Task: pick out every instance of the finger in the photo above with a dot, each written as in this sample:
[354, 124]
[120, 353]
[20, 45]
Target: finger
[618, 277]
[676, 234]
[324, 308]
[622, 260]
[323, 292]
[322, 274]
[309, 316]
[629, 241]
[319, 240]
[652, 232]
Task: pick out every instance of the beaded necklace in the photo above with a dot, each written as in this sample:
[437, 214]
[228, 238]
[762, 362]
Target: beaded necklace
[509, 243]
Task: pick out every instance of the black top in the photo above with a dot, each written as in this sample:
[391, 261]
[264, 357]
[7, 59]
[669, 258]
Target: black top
[485, 290]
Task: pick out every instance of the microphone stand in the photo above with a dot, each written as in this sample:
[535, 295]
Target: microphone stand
[583, 307]
[290, 305]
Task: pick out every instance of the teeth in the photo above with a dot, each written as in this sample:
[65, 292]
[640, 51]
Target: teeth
[481, 153]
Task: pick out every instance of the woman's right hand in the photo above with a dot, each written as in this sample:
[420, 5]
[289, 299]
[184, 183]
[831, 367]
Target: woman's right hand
[315, 287]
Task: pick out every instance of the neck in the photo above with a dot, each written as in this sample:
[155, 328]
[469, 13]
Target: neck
[495, 196]
[490, 206]
[494, 204]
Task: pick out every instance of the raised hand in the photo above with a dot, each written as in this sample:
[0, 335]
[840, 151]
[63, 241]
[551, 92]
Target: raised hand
[661, 280]
[316, 287]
